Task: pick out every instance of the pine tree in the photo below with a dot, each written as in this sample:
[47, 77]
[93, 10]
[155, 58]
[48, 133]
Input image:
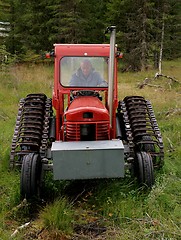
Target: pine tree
[140, 25]
[37, 25]
[4, 21]
[133, 21]
[80, 21]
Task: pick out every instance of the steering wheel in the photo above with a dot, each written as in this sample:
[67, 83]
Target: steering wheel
[86, 93]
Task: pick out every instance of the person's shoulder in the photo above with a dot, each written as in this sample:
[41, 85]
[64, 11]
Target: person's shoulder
[75, 75]
[96, 73]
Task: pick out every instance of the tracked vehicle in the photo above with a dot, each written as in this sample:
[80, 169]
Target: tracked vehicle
[85, 132]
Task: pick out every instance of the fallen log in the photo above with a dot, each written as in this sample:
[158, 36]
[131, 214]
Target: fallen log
[148, 81]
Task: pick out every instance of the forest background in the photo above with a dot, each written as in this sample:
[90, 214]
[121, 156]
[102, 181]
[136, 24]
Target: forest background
[110, 209]
[32, 27]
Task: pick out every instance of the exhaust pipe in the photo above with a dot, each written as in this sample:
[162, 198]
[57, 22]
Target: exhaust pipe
[112, 30]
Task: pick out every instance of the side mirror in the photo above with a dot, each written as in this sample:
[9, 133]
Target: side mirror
[119, 55]
[49, 54]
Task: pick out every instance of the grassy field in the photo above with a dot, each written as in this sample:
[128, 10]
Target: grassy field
[111, 209]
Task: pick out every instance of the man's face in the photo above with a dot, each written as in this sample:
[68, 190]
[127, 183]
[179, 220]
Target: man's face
[86, 68]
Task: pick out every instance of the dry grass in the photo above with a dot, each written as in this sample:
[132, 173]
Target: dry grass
[163, 95]
[33, 78]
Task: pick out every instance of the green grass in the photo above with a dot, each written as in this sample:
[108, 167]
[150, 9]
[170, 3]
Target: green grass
[58, 216]
[127, 211]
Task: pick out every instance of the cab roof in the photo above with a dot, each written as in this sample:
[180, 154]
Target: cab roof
[81, 50]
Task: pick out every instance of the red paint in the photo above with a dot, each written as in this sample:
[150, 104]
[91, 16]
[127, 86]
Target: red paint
[74, 110]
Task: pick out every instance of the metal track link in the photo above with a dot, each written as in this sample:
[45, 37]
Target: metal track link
[45, 133]
[30, 127]
[16, 132]
[128, 130]
[156, 132]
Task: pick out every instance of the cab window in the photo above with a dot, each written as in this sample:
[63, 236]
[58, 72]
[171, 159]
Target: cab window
[84, 71]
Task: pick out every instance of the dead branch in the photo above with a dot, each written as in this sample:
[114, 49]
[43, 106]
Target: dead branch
[23, 204]
[19, 228]
[79, 195]
[148, 81]
[144, 83]
[157, 75]
[172, 112]
[156, 86]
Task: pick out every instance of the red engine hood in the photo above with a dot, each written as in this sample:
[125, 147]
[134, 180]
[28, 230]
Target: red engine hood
[86, 108]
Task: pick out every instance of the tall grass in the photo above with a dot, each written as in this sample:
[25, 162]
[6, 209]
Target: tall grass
[127, 211]
[15, 83]
[58, 216]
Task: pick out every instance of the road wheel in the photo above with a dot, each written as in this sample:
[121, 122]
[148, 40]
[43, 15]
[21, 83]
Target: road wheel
[148, 147]
[144, 169]
[30, 176]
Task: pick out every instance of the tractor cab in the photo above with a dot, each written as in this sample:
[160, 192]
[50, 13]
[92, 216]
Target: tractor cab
[80, 94]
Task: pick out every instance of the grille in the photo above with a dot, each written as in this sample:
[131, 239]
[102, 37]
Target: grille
[95, 131]
[73, 132]
[102, 132]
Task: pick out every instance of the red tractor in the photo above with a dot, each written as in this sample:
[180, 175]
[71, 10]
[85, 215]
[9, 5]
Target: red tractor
[90, 134]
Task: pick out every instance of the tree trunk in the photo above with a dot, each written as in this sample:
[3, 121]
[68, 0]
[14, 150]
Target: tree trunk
[143, 43]
[161, 47]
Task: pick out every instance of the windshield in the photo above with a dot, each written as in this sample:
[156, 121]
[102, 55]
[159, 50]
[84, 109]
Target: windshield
[84, 71]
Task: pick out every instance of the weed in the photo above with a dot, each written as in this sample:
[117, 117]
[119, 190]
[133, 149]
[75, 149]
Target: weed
[58, 215]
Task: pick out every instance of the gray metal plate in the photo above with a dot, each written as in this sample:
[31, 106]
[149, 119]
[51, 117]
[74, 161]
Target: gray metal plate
[88, 159]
